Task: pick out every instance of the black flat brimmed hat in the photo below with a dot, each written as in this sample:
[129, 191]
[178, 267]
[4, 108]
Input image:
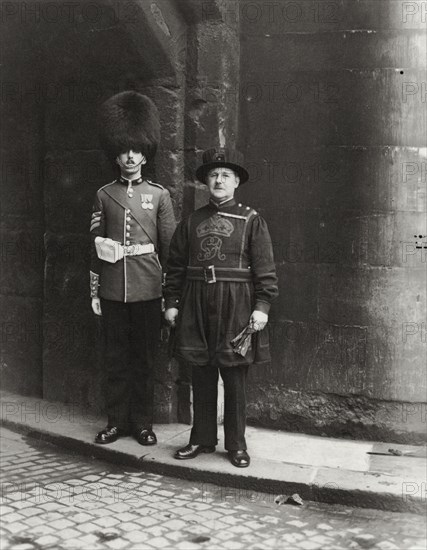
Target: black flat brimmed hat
[221, 157]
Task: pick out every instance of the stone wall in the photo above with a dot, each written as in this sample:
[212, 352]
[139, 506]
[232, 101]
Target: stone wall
[22, 216]
[333, 126]
[327, 102]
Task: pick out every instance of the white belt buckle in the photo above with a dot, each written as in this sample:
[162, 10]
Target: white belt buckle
[138, 249]
[129, 250]
[209, 274]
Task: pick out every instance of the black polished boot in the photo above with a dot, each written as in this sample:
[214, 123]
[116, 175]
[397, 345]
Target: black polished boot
[191, 451]
[145, 437]
[109, 435]
[240, 459]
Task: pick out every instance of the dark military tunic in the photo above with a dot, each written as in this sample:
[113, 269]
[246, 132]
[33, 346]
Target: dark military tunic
[235, 240]
[125, 220]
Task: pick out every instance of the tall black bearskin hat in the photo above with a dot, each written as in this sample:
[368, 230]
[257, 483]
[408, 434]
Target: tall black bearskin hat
[129, 120]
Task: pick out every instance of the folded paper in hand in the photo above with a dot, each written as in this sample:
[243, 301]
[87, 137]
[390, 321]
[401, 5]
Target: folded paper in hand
[241, 344]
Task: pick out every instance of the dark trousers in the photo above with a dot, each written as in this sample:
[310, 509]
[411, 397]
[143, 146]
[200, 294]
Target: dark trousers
[205, 394]
[131, 342]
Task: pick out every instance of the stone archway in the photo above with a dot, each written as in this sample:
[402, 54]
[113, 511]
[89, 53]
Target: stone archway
[79, 56]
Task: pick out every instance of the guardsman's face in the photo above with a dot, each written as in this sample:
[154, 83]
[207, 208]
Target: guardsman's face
[222, 183]
[130, 162]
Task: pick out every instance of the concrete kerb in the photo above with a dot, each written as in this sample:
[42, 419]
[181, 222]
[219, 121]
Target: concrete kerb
[384, 493]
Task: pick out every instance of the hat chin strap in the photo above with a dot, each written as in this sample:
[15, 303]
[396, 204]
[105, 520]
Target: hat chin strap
[123, 165]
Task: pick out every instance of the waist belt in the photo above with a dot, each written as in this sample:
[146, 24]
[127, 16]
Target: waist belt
[212, 274]
[138, 249]
[112, 251]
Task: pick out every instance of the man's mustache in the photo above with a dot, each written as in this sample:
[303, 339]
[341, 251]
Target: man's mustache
[130, 163]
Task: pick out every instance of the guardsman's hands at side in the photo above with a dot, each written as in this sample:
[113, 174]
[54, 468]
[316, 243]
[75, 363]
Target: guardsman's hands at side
[258, 320]
[170, 315]
[96, 306]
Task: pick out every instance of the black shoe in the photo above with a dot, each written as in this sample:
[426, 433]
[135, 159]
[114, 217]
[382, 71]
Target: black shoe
[191, 451]
[145, 437]
[240, 459]
[109, 435]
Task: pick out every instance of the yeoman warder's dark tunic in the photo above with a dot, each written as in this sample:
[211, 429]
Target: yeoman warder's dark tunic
[235, 240]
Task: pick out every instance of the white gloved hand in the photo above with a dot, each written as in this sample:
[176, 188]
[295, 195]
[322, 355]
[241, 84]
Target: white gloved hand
[258, 320]
[96, 306]
[170, 315]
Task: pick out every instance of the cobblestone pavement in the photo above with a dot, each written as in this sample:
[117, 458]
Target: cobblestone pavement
[52, 499]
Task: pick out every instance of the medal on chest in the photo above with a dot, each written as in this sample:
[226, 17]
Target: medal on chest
[146, 202]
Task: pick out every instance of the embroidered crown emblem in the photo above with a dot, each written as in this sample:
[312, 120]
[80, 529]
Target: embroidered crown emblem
[215, 226]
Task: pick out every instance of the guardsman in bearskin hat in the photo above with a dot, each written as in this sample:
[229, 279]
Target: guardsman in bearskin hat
[220, 282]
[132, 224]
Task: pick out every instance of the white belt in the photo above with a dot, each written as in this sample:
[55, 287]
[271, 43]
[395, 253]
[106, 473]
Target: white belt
[112, 251]
[138, 249]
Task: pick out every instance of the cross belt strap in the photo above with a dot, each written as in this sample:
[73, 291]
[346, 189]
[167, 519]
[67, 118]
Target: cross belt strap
[212, 274]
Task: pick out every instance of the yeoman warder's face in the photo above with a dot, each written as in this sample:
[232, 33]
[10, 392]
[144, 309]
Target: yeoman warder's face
[222, 183]
[130, 162]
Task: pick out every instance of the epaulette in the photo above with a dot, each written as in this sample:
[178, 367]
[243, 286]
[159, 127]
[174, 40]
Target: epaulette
[247, 211]
[108, 184]
[244, 213]
[155, 184]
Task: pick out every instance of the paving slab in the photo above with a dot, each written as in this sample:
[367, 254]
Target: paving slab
[339, 471]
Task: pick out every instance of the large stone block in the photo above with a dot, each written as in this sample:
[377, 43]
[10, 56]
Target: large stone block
[71, 354]
[161, 24]
[170, 173]
[276, 406]
[390, 304]
[21, 167]
[370, 296]
[21, 344]
[388, 239]
[306, 111]
[170, 103]
[296, 280]
[79, 54]
[71, 181]
[212, 87]
[360, 52]
[22, 261]
[322, 356]
[213, 60]
[397, 354]
[275, 19]
[368, 179]
[201, 12]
